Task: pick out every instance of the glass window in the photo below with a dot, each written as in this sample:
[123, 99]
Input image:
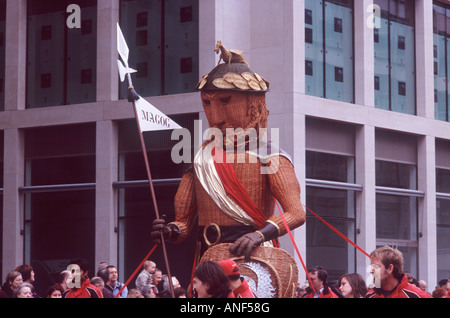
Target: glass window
[325, 166]
[396, 217]
[59, 226]
[163, 37]
[443, 180]
[396, 175]
[2, 53]
[61, 61]
[441, 26]
[136, 210]
[59, 194]
[397, 214]
[443, 223]
[337, 207]
[394, 46]
[329, 49]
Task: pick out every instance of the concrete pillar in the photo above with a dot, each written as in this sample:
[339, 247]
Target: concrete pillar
[13, 214]
[300, 171]
[15, 55]
[364, 53]
[424, 59]
[366, 199]
[426, 173]
[105, 196]
[107, 72]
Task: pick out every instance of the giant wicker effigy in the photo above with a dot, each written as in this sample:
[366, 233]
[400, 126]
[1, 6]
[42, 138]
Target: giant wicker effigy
[225, 192]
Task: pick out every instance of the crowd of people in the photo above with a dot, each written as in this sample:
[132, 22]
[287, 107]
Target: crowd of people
[222, 279]
[388, 281]
[150, 283]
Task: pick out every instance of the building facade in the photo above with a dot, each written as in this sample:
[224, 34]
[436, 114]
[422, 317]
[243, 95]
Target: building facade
[359, 95]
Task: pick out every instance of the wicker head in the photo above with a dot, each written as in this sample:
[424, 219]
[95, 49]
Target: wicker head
[272, 272]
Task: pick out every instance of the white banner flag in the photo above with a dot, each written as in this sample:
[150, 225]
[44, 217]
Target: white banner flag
[150, 118]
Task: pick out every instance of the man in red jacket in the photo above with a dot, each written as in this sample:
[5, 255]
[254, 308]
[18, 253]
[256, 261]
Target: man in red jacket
[318, 276]
[390, 281]
[84, 289]
[238, 284]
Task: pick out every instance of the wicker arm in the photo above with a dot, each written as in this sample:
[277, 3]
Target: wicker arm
[185, 209]
[286, 190]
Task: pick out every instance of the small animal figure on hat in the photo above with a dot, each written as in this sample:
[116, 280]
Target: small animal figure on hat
[229, 56]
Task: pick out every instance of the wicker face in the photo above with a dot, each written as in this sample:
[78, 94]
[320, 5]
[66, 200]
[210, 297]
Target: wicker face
[226, 109]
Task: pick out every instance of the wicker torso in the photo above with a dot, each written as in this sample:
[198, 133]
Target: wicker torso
[192, 201]
[256, 184]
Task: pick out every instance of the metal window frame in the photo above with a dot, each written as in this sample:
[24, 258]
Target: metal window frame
[92, 186]
[399, 192]
[145, 183]
[442, 196]
[333, 185]
[57, 188]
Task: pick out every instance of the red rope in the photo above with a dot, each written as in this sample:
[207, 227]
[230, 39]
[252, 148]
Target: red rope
[135, 272]
[295, 246]
[339, 233]
[192, 209]
[193, 270]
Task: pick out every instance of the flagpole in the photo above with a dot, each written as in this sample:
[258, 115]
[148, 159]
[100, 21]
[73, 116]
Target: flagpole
[124, 69]
[152, 190]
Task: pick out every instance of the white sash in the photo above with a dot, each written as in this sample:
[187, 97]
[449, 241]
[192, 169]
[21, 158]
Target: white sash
[210, 180]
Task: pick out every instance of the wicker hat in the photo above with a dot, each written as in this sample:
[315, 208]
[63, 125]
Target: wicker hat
[233, 74]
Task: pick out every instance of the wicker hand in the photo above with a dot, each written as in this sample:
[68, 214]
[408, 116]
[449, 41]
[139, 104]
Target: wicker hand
[159, 226]
[246, 244]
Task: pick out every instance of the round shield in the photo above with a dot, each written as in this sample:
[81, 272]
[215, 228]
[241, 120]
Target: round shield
[271, 272]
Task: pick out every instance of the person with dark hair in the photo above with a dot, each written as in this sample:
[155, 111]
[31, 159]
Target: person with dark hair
[82, 287]
[113, 284]
[27, 273]
[352, 286]
[163, 286]
[412, 280]
[238, 284]
[180, 292]
[390, 281]
[103, 273]
[444, 283]
[210, 281]
[320, 288]
[28, 276]
[54, 291]
[135, 293]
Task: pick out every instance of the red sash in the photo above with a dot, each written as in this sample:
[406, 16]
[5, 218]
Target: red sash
[237, 192]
